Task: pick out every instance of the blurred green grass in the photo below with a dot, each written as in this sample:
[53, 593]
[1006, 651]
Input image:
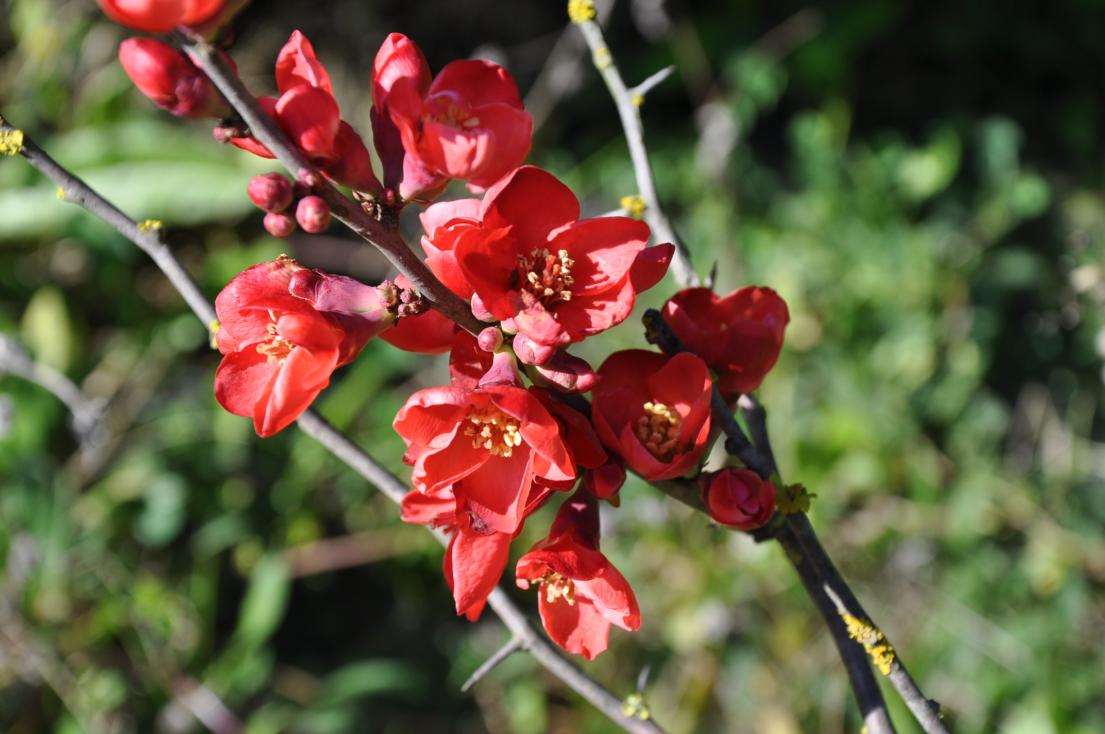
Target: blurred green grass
[939, 237]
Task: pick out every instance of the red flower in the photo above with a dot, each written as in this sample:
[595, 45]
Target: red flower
[476, 556]
[491, 444]
[283, 331]
[526, 258]
[654, 411]
[308, 113]
[581, 593]
[159, 16]
[170, 79]
[466, 123]
[739, 498]
[739, 336]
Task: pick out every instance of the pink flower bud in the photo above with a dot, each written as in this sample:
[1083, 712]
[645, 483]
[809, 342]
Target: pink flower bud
[529, 351]
[279, 225]
[738, 498]
[272, 192]
[313, 214]
[490, 339]
[565, 372]
[170, 79]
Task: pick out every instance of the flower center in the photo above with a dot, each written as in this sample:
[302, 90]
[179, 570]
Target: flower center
[454, 115]
[658, 430]
[276, 347]
[547, 276]
[493, 430]
[558, 587]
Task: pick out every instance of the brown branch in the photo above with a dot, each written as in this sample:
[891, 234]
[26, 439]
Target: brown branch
[628, 106]
[349, 212]
[357, 459]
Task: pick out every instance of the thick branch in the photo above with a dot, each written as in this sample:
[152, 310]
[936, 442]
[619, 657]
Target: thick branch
[357, 459]
[384, 238]
[628, 106]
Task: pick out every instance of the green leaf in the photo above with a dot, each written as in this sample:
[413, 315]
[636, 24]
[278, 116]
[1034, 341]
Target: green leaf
[265, 601]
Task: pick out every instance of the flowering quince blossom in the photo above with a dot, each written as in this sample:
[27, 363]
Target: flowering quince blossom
[170, 79]
[466, 123]
[159, 16]
[495, 446]
[524, 257]
[283, 331]
[653, 411]
[308, 113]
[738, 498]
[739, 335]
[580, 592]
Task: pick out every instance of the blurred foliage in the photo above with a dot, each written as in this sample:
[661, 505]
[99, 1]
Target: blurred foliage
[922, 183]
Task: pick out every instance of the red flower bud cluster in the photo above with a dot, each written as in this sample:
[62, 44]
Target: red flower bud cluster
[514, 426]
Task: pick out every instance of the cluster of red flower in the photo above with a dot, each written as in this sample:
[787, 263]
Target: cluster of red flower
[486, 450]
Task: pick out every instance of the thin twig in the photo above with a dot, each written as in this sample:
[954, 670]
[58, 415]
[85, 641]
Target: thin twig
[760, 459]
[208, 709]
[86, 414]
[512, 646]
[629, 111]
[147, 235]
[651, 82]
[385, 238]
[798, 537]
[357, 459]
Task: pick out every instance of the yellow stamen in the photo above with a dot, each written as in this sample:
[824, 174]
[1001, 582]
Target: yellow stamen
[558, 587]
[276, 347]
[493, 430]
[547, 277]
[658, 430]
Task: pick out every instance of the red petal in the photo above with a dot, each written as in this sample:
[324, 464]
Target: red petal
[475, 563]
[398, 58]
[578, 628]
[651, 266]
[604, 250]
[311, 118]
[476, 82]
[427, 333]
[241, 379]
[497, 491]
[297, 64]
[300, 379]
[533, 202]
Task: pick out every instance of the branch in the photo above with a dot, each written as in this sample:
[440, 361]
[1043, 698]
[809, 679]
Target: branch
[86, 414]
[344, 449]
[628, 106]
[512, 646]
[798, 537]
[760, 460]
[370, 229]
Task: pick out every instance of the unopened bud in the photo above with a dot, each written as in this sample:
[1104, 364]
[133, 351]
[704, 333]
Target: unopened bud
[170, 79]
[272, 192]
[490, 339]
[738, 498]
[529, 351]
[566, 372]
[279, 225]
[313, 214]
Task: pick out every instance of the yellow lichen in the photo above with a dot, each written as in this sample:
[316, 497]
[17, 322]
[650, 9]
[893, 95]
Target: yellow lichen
[150, 225]
[637, 99]
[213, 328]
[636, 707]
[634, 205]
[793, 498]
[11, 141]
[581, 11]
[60, 193]
[602, 58]
[873, 641]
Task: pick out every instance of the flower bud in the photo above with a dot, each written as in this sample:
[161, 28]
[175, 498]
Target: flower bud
[272, 192]
[606, 480]
[313, 214]
[738, 498]
[279, 225]
[170, 79]
[566, 372]
[529, 351]
[490, 339]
